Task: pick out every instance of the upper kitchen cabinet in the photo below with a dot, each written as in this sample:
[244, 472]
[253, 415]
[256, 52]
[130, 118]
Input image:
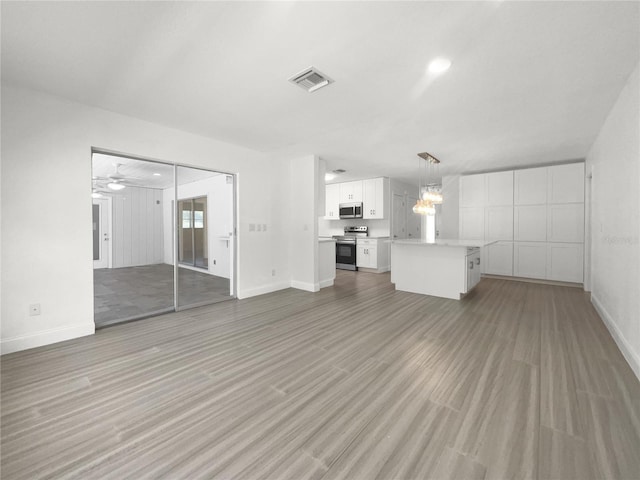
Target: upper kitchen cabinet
[351, 192]
[565, 183]
[472, 223]
[530, 186]
[332, 200]
[499, 187]
[473, 190]
[374, 197]
[565, 223]
[498, 223]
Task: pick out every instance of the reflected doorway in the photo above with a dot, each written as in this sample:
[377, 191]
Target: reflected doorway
[192, 232]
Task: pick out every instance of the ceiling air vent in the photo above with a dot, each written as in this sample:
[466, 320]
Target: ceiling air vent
[311, 79]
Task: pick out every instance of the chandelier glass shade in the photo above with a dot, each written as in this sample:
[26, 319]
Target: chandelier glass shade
[429, 194]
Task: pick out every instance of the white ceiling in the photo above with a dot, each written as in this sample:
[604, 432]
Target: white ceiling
[531, 82]
[141, 173]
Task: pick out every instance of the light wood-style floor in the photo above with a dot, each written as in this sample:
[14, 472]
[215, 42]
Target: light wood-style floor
[358, 381]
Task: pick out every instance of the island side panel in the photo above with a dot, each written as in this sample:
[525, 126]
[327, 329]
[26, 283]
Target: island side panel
[429, 269]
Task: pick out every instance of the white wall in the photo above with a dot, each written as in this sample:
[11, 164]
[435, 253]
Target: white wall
[614, 162]
[304, 195]
[136, 227]
[219, 195]
[449, 211]
[47, 140]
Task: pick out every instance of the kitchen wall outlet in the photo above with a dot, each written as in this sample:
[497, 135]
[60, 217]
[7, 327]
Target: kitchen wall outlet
[214, 261]
[34, 309]
[252, 227]
[259, 227]
[273, 272]
[264, 227]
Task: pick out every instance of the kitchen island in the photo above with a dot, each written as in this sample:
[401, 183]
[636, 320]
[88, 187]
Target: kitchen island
[444, 268]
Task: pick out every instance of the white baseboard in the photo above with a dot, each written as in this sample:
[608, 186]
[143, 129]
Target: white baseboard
[326, 283]
[46, 337]
[309, 287]
[272, 287]
[627, 351]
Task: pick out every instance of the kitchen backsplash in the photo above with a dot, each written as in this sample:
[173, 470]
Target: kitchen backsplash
[328, 228]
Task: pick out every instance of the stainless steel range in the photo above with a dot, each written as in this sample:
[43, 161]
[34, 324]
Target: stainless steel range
[346, 246]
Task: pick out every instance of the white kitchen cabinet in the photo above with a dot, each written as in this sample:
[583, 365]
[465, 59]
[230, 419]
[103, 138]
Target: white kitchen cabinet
[473, 269]
[373, 253]
[499, 188]
[565, 223]
[498, 259]
[530, 223]
[366, 256]
[498, 223]
[565, 262]
[472, 223]
[351, 192]
[332, 201]
[530, 259]
[566, 183]
[530, 186]
[373, 198]
[473, 190]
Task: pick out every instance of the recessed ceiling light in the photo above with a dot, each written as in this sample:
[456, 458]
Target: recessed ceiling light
[328, 177]
[439, 65]
[156, 174]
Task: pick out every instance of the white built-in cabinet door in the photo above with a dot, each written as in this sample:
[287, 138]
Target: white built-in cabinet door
[472, 190]
[472, 223]
[351, 191]
[498, 223]
[565, 262]
[332, 200]
[498, 259]
[530, 259]
[373, 198]
[566, 183]
[529, 223]
[565, 223]
[499, 188]
[530, 186]
[367, 253]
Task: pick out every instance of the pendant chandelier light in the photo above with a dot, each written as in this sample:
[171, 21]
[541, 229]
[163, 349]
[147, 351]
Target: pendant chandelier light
[429, 194]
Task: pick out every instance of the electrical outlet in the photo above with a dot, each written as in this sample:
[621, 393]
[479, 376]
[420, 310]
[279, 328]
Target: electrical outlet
[264, 227]
[252, 227]
[273, 272]
[214, 262]
[34, 309]
[259, 227]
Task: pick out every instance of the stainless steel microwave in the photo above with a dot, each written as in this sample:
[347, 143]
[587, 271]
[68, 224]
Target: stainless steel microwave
[351, 210]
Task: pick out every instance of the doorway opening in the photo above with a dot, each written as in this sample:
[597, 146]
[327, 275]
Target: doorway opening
[149, 257]
[192, 232]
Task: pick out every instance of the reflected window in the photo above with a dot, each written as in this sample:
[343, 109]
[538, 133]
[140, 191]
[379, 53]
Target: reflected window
[186, 219]
[198, 219]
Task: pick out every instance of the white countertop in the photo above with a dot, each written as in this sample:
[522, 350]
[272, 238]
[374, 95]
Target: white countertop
[326, 239]
[443, 242]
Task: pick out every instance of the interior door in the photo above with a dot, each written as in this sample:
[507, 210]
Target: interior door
[101, 240]
[399, 217]
[414, 220]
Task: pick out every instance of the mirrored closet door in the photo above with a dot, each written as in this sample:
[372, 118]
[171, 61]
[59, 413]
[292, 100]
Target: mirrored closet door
[139, 234]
